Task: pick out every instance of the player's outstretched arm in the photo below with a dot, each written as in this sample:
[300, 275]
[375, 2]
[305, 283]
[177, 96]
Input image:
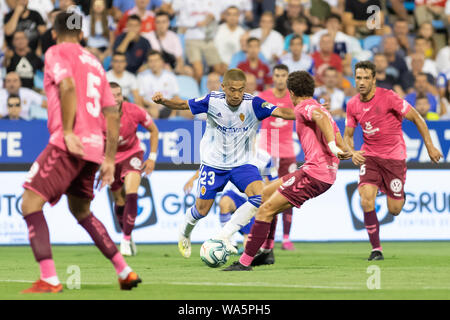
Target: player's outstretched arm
[149, 164]
[188, 186]
[174, 104]
[68, 94]
[324, 124]
[284, 113]
[112, 118]
[357, 156]
[434, 154]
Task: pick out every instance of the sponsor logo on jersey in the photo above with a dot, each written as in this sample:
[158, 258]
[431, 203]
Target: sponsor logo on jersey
[231, 130]
[369, 129]
[267, 105]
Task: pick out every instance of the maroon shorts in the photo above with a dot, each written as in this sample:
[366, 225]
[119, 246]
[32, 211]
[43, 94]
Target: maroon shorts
[286, 166]
[56, 172]
[387, 174]
[132, 163]
[299, 187]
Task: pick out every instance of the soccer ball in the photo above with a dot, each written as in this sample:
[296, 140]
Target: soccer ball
[214, 253]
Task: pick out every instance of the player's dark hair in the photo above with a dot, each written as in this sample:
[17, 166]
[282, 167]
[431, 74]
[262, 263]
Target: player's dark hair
[114, 85]
[301, 83]
[295, 37]
[368, 65]
[134, 17]
[253, 39]
[68, 24]
[281, 67]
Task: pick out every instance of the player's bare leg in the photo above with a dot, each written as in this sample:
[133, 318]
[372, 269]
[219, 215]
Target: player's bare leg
[119, 205]
[368, 194]
[39, 237]
[243, 214]
[132, 182]
[395, 206]
[80, 209]
[198, 211]
[260, 230]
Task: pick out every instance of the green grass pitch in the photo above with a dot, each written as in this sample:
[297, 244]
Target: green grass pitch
[411, 270]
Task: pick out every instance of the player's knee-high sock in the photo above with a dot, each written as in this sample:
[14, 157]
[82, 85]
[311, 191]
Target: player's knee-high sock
[118, 210]
[190, 220]
[373, 229]
[287, 222]
[103, 241]
[129, 214]
[39, 237]
[240, 218]
[256, 238]
[224, 218]
[268, 244]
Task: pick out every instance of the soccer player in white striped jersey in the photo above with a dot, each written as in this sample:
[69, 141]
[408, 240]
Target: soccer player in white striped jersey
[227, 152]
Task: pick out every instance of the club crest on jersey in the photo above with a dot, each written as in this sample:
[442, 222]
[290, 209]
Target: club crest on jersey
[203, 190]
[242, 117]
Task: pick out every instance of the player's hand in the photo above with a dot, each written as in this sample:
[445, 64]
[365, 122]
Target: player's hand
[73, 144]
[106, 176]
[357, 158]
[435, 154]
[148, 167]
[188, 186]
[158, 98]
[344, 155]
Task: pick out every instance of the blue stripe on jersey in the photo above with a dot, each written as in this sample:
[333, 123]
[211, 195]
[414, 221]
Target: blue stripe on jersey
[255, 200]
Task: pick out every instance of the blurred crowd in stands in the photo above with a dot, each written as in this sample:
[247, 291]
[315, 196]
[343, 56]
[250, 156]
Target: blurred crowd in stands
[183, 47]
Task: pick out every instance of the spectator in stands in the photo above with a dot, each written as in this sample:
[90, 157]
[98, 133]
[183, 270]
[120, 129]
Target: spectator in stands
[14, 108]
[445, 103]
[408, 78]
[423, 108]
[427, 11]
[299, 27]
[125, 79]
[119, 7]
[443, 66]
[241, 56]
[229, 33]
[404, 38]
[167, 42]
[385, 80]
[272, 42]
[245, 10]
[420, 46]
[255, 66]
[147, 18]
[426, 30]
[47, 39]
[99, 24]
[199, 19]
[330, 89]
[325, 58]
[23, 60]
[251, 85]
[294, 10]
[23, 19]
[396, 62]
[296, 59]
[30, 99]
[361, 20]
[133, 45]
[261, 6]
[213, 82]
[44, 7]
[157, 79]
[422, 87]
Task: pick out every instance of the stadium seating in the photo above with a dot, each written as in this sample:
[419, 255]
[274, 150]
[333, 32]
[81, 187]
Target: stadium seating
[372, 43]
[188, 87]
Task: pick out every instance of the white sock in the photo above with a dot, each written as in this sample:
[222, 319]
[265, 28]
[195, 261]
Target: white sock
[54, 281]
[125, 272]
[240, 218]
[190, 220]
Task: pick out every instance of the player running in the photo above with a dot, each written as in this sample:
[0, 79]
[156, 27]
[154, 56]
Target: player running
[77, 91]
[380, 113]
[276, 138]
[129, 158]
[322, 144]
[227, 152]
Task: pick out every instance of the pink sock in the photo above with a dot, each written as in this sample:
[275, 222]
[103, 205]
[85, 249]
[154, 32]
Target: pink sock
[127, 237]
[47, 267]
[245, 259]
[119, 262]
[285, 237]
